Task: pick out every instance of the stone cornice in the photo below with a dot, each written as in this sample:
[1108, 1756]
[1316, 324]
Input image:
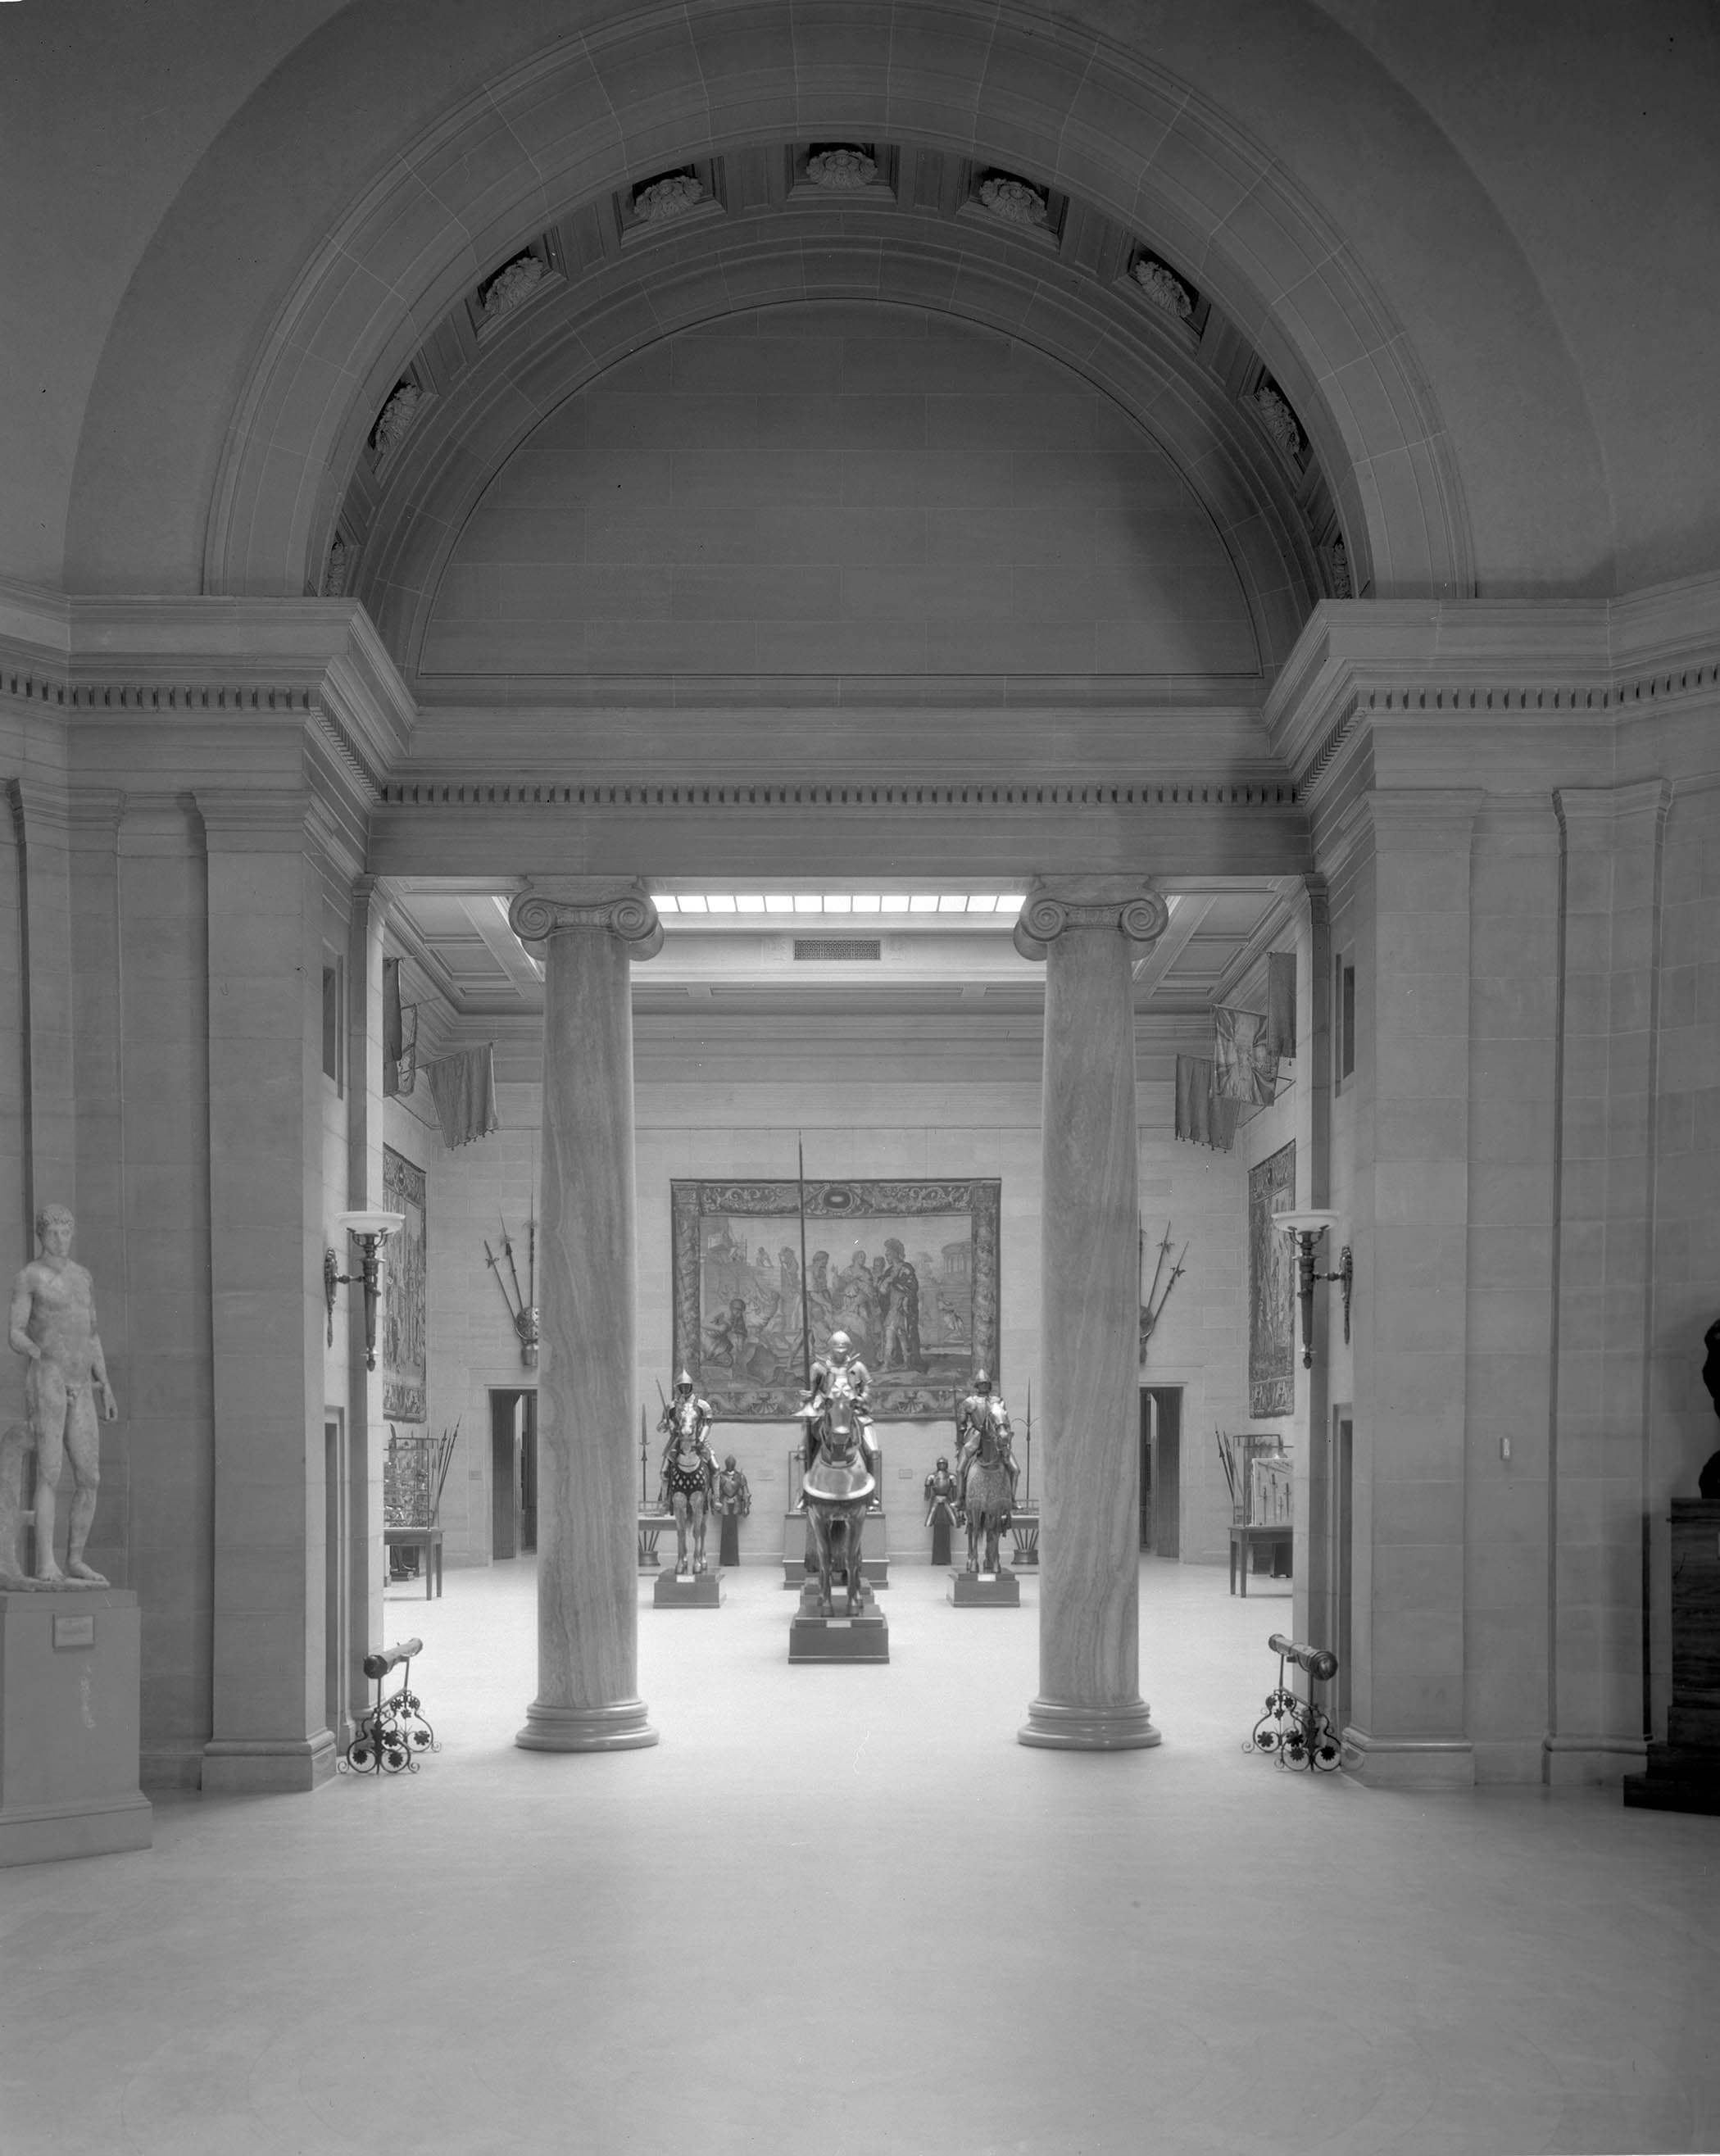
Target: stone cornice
[210, 661]
[474, 793]
[1509, 666]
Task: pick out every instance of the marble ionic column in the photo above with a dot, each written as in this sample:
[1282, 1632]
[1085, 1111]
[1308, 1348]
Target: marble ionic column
[591, 930]
[1090, 932]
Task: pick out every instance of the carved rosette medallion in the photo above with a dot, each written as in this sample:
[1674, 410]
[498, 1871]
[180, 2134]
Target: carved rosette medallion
[394, 421]
[673, 196]
[1134, 910]
[1014, 200]
[515, 281]
[843, 169]
[1163, 288]
[1281, 424]
[630, 914]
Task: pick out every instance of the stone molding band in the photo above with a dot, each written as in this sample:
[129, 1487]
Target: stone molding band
[629, 915]
[1140, 914]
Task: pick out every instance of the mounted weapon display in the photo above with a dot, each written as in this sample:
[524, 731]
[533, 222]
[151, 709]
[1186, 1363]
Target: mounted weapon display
[522, 1314]
[1153, 1309]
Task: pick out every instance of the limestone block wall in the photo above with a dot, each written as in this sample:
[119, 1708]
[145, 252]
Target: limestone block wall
[838, 486]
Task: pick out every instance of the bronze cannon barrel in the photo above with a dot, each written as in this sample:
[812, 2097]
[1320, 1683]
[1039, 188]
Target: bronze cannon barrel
[1320, 1662]
[390, 1658]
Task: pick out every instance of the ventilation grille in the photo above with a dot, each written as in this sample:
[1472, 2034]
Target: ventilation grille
[838, 947]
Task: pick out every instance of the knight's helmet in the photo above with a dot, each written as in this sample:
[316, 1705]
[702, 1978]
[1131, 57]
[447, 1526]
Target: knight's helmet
[982, 1380]
[684, 1382]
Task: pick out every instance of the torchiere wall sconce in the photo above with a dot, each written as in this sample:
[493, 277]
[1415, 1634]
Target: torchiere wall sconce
[1305, 1230]
[370, 1231]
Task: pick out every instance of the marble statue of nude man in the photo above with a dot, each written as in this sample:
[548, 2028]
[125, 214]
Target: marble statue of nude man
[53, 1325]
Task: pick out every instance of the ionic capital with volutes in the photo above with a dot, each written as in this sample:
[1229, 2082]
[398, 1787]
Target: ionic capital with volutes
[1125, 906]
[551, 904]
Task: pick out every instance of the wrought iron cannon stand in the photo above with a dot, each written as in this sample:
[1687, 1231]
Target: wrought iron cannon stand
[392, 1733]
[1297, 1732]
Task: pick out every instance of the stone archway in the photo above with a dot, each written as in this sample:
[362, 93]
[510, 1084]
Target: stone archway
[1079, 113]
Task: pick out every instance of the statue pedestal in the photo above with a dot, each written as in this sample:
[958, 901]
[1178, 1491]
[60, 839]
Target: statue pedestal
[985, 1590]
[864, 1637]
[729, 1553]
[1684, 1773]
[874, 1550]
[69, 1679]
[703, 1591]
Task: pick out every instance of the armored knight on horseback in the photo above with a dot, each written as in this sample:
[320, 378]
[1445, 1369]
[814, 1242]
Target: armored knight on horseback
[688, 1479]
[986, 1473]
[842, 1468]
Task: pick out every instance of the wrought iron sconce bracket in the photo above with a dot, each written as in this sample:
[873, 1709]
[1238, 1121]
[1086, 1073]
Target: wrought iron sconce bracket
[1305, 1230]
[370, 1231]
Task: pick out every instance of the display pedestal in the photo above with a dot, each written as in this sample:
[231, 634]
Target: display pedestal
[940, 1542]
[874, 1551]
[985, 1590]
[703, 1591]
[69, 1678]
[729, 1553]
[1684, 1773]
[864, 1637]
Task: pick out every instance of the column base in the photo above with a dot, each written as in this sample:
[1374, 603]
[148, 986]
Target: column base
[619, 1727]
[1408, 1763]
[267, 1766]
[1061, 1728]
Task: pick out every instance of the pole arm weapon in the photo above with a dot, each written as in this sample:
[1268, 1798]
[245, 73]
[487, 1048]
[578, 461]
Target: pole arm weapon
[1027, 1468]
[501, 1285]
[805, 1309]
[507, 1251]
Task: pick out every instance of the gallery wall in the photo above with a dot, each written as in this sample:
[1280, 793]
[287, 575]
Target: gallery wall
[942, 1097]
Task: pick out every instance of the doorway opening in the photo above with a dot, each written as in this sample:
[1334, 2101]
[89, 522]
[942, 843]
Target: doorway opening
[1343, 1486]
[1162, 1469]
[513, 1471]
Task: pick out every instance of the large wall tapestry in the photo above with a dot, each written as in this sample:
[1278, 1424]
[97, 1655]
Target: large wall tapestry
[909, 1270]
[1271, 1286]
[403, 1359]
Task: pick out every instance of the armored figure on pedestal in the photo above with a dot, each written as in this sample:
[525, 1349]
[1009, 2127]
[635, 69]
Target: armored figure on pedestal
[986, 1473]
[733, 1501]
[689, 1473]
[943, 1497]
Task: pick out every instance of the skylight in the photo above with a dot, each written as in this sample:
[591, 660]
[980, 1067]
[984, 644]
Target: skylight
[1006, 904]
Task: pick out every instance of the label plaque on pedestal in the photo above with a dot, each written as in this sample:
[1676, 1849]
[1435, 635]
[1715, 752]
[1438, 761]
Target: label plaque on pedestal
[69, 1714]
[985, 1590]
[703, 1591]
[864, 1637]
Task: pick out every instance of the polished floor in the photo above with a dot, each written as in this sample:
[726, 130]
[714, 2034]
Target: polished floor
[840, 1910]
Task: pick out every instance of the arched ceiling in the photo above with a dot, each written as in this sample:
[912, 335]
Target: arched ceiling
[1530, 220]
[608, 285]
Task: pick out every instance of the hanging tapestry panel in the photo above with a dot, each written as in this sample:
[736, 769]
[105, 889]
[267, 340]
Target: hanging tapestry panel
[1271, 1286]
[403, 1359]
[908, 1270]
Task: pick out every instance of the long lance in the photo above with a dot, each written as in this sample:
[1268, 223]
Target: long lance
[805, 1312]
[531, 1260]
[1027, 1468]
[500, 1283]
[643, 1495]
[507, 1251]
